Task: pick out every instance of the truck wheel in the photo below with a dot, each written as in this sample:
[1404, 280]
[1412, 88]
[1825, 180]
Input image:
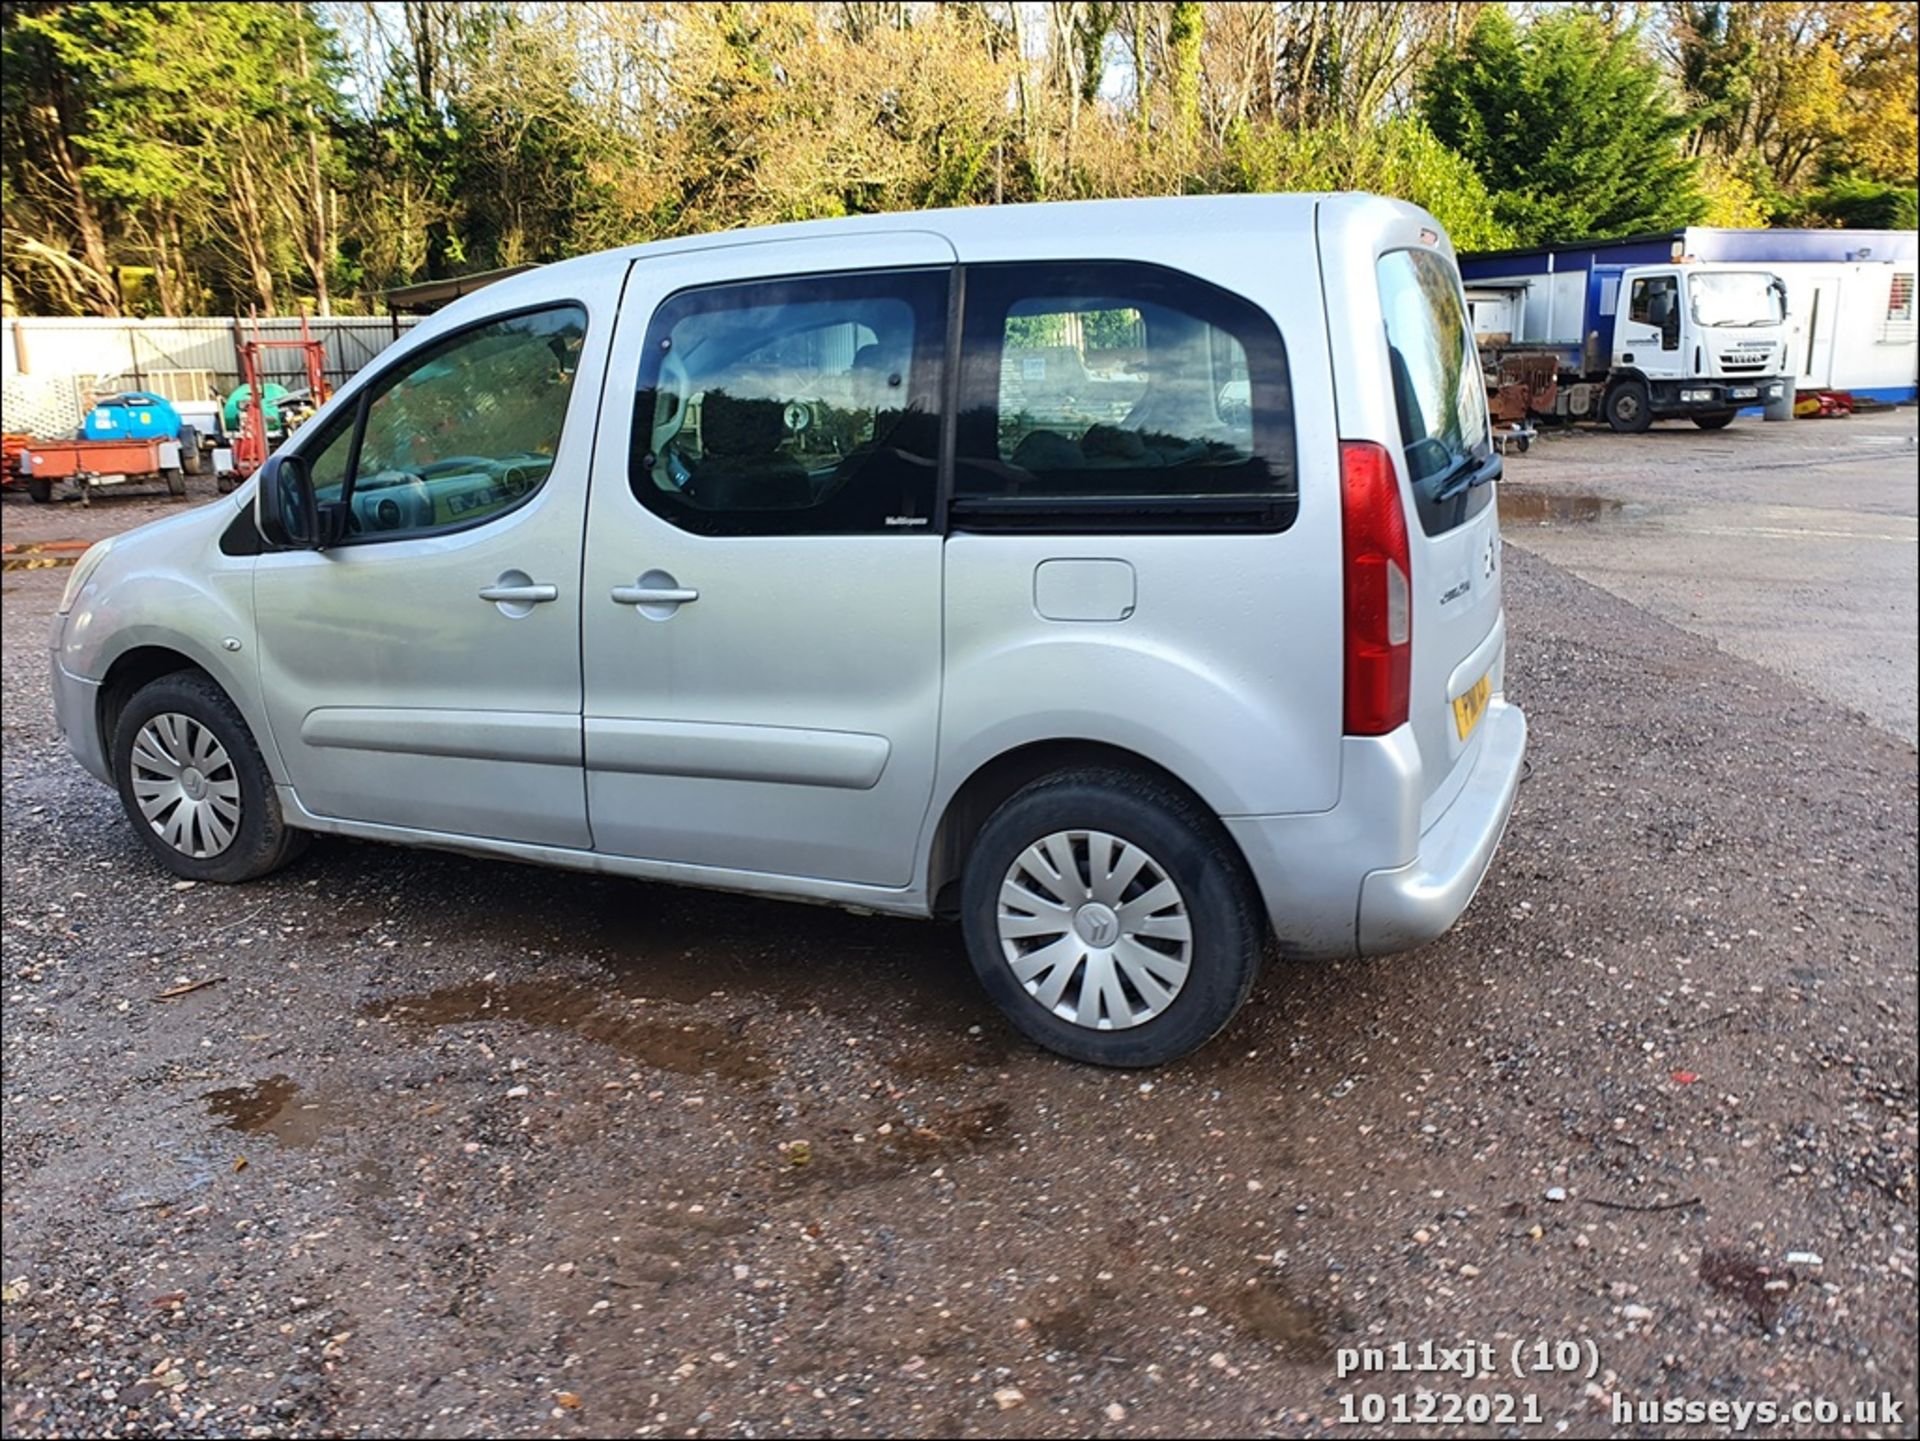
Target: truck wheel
[1714, 420]
[1629, 408]
[190, 458]
[176, 483]
[1109, 917]
[40, 488]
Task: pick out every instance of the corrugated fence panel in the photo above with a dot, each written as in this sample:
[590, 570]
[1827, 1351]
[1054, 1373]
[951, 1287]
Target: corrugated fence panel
[49, 347]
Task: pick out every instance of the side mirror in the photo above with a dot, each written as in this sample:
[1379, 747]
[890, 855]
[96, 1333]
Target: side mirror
[283, 505]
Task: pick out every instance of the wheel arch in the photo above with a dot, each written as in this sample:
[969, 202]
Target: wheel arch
[131, 670]
[147, 661]
[994, 781]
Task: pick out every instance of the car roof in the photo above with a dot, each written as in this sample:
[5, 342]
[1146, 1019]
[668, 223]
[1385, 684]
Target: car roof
[1055, 227]
[1044, 224]
[1073, 229]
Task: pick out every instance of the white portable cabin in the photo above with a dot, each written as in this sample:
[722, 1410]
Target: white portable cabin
[1851, 326]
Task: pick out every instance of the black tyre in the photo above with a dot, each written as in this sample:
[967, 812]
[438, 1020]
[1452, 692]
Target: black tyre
[1714, 420]
[1629, 407]
[1109, 915]
[176, 482]
[191, 459]
[40, 488]
[194, 785]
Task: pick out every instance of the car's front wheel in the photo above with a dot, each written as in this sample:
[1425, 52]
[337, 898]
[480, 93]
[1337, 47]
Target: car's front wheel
[1109, 915]
[194, 784]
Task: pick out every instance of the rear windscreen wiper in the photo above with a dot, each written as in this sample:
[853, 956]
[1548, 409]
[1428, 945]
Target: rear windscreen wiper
[1466, 473]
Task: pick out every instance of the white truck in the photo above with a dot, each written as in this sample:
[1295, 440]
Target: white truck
[1685, 338]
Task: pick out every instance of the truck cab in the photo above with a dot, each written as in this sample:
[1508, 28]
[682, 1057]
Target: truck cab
[1695, 340]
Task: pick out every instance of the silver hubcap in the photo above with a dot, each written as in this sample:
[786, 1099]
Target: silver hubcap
[185, 785]
[1095, 929]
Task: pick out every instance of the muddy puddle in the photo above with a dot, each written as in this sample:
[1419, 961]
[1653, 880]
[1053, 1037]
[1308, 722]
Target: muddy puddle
[945, 1136]
[666, 943]
[603, 1015]
[276, 1108]
[1554, 507]
[1743, 1278]
[1292, 1329]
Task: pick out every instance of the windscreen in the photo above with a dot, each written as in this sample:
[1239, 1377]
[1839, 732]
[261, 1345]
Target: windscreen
[1735, 297]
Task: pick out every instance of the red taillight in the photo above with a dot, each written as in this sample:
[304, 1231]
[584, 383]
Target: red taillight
[1378, 570]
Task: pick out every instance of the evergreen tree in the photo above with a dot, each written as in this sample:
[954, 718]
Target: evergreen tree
[1570, 126]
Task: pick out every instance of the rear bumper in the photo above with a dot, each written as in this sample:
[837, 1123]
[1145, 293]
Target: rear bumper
[1364, 877]
[1410, 905]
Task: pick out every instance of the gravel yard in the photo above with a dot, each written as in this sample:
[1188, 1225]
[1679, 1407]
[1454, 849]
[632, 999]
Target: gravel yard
[397, 1142]
[1793, 546]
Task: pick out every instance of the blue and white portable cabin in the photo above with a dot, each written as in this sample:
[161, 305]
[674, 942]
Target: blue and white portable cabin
[1850, 297]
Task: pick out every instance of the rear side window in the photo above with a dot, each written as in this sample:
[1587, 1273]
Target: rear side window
[1438, 390]
[794, 407]
[1114, 396]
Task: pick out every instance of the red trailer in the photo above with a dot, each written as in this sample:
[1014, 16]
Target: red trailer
[13, 467]
[85, 462]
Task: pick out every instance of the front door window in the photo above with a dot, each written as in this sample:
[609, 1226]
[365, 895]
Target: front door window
[465, 433]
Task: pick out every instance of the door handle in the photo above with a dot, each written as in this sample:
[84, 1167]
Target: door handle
[657, 595]
[653, 595]
[527, 594]
[516, 594]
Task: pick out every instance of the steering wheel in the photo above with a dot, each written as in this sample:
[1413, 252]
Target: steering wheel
[385, 510]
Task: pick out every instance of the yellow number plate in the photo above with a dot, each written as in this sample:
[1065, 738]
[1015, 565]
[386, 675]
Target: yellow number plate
[1468, 708]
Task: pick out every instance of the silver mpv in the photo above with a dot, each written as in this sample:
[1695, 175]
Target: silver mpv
[1122, 578]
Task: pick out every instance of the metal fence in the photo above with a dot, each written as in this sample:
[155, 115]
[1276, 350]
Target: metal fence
[51, 348]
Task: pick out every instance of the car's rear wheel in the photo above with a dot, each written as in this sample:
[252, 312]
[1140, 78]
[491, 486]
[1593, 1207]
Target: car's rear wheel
[1629, 407]
[1714, 420]
[194, 784]
[1108, 914]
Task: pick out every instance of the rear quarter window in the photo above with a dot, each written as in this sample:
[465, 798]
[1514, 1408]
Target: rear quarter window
[1110, 395]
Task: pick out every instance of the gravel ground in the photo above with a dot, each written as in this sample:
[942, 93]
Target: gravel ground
[446, 1147]
[1793, 546]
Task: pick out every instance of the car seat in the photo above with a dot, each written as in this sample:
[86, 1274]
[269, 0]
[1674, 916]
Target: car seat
[742, 468]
